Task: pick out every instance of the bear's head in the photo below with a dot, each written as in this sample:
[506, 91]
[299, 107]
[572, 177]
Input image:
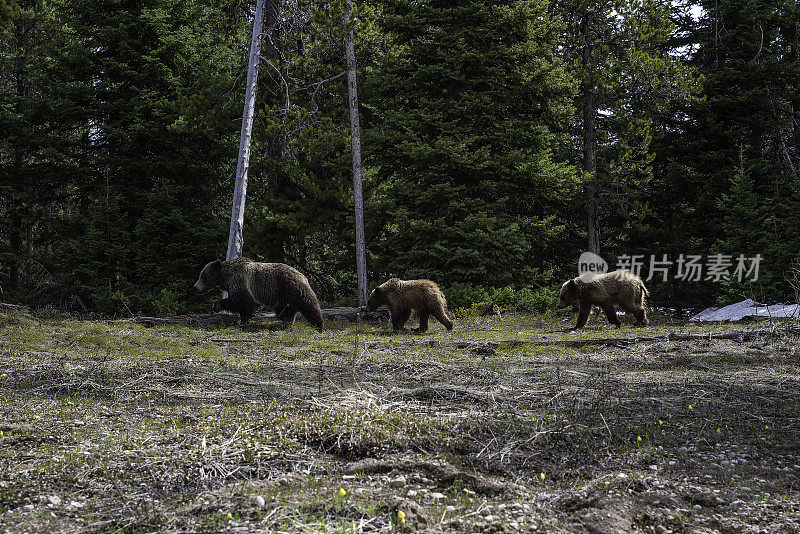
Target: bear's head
[569, 292]
[376, 298]
[209, 277]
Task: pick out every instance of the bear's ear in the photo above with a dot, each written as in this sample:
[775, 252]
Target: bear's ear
[377, 291]
[571, 284]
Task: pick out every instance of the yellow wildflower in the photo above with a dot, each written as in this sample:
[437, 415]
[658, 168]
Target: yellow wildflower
[638, 439]
[401, 515]
[542, 476]
[342, 492]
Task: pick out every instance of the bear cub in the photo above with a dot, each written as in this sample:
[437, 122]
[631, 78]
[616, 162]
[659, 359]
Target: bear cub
[404, 296]
[251, 284]
[617, 289]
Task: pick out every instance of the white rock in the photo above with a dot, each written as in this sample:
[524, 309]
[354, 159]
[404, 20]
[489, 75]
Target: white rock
[436, 495]
[55, 500]
[259, 500]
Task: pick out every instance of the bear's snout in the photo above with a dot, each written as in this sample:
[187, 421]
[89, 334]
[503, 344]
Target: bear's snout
[197, 286]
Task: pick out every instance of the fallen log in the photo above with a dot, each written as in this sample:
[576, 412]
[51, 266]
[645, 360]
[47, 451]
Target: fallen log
[329, 314]
[14, 307]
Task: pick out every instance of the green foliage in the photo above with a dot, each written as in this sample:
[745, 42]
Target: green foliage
[726, 174]
[466, 300]
[470, 187]
[119, 124]
[117, 148]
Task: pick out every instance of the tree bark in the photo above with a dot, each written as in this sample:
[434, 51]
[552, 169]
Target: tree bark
[590, 136]
[355, 135]
[235, 238]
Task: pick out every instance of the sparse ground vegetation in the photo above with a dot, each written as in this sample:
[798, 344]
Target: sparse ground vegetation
[113, 426]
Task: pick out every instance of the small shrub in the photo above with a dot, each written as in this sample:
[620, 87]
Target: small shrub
[466, 300]
[464, 296]
[474, 310]
[167, 302]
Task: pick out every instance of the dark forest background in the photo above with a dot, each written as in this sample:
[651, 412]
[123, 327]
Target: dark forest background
[500, 138]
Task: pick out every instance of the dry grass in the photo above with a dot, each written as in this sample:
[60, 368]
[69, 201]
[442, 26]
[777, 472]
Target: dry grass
[118, 427]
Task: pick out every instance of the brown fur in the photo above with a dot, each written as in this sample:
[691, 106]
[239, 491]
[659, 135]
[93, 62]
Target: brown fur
[617, 289]
[404, 296]
[251, 284]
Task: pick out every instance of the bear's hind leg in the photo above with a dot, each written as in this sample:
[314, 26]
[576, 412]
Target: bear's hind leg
[424, 315]
[641, 317]
[611, 313]
[639, 313]
[442, 317]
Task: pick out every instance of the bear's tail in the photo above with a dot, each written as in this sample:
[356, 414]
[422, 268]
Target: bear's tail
[645, 292]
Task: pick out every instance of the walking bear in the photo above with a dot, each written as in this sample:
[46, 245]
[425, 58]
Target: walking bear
[617, 289]
[404, 296]
[251, 284]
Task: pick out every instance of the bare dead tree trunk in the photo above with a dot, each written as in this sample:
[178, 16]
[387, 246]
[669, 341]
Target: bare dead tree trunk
[235, 238]
[590, 137]
[355, 135]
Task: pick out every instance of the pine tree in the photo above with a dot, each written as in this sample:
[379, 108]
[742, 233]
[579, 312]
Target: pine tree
[464, 111]
[747, 53]
[621, 53]
[160, 135]
[43, 126]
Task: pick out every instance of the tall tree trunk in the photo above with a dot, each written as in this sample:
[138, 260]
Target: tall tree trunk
[355, 135]
[590, 136]
[235, 238]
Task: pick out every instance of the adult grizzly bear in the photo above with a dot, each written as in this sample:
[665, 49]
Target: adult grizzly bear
[404, 296]
[251, 284]
[621, 289]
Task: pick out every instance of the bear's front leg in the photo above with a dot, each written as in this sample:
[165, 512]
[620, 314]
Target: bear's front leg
[222, 304]
[399, 318]
[285, 313]
[583, 315]
[245, 308]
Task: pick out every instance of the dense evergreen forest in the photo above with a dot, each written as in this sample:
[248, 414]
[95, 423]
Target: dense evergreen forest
[500, 140]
